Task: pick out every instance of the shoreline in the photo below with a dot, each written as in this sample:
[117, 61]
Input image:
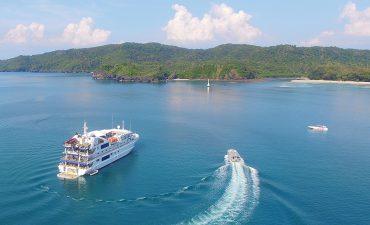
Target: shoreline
[307, 81]
[223, 80]
[180, 79]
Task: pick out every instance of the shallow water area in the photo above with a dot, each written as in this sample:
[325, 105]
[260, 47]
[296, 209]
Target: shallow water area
[176, 173]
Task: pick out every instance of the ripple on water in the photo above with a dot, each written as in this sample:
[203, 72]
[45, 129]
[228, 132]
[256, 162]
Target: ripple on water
[283, 196]
[36, 171]
[27, 201]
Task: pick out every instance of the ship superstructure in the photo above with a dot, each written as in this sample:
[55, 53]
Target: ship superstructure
[86, 153]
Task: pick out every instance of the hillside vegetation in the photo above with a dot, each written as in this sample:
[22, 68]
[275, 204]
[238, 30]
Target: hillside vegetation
[133, 61]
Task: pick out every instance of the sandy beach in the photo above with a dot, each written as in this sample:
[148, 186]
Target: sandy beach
[179, 79]
[307, 81]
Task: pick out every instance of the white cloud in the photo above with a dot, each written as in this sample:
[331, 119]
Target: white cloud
[221, 23]
[322, 37]
[356, 29]
[25, 33]
[358, 21]
[82, 33]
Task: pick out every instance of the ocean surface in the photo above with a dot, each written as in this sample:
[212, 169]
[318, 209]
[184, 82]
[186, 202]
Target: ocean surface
[176, 173]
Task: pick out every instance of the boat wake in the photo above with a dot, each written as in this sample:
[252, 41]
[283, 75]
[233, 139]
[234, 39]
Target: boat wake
[238, 200]
[218, 177]
[236, 183]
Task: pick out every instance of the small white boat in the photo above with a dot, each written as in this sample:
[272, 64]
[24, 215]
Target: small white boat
[233, 157]
[208, 85]
[318, 127]
[92, 173]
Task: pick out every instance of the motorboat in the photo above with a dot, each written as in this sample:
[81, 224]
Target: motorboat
[233, 157]
[318, 127]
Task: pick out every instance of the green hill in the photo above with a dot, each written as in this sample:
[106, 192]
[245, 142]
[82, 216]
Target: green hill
[230, 61]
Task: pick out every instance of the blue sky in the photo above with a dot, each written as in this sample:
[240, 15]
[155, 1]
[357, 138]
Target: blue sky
[33, 27]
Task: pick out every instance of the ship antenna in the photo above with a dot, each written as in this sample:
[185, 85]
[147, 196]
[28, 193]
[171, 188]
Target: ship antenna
[85, 128]
[123, 124]
[112, 120]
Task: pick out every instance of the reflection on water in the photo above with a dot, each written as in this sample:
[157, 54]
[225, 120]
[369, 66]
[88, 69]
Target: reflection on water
[193, 94]
[76, 186]
[186, 129]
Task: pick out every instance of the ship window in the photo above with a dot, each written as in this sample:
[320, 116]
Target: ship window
[105, 157]
[104, 145]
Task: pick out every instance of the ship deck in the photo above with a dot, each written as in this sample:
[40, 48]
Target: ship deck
[67, 176]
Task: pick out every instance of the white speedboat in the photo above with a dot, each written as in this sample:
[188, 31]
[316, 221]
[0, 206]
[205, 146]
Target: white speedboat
[86, 153]
[208, 84]
[318, 127]
[233, 157]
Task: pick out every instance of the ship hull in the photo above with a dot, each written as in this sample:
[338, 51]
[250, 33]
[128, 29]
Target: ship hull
[116, 154]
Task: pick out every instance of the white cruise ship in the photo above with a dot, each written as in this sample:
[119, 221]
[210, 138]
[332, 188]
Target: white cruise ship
[86, 153]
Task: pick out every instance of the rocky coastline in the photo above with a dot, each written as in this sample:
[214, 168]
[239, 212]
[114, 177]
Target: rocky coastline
[101, 75]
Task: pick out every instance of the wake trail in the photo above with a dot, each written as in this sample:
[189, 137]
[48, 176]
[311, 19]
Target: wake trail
[238, 200]
[219, 175]
[238, 185]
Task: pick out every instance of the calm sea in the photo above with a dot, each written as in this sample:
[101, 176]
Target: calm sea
[177, 174]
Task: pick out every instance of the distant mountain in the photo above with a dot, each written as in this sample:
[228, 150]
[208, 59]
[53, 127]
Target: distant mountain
[133, 61]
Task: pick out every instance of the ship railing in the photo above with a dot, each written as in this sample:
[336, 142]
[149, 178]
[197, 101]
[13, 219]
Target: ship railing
[75, 163]
[76, 166]
[77, 151]
[84, 153]
[119, 145]
[69, 164]
[77, 148]
[74, 154]
[80, 149]
[85, 160]
[71, 152]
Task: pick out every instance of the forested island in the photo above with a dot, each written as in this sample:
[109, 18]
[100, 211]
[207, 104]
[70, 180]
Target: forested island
[153, 62]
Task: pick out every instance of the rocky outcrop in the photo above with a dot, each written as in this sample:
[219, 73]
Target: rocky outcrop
[101, 75]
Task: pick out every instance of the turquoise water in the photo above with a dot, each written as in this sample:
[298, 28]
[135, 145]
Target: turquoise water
[176, 174]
